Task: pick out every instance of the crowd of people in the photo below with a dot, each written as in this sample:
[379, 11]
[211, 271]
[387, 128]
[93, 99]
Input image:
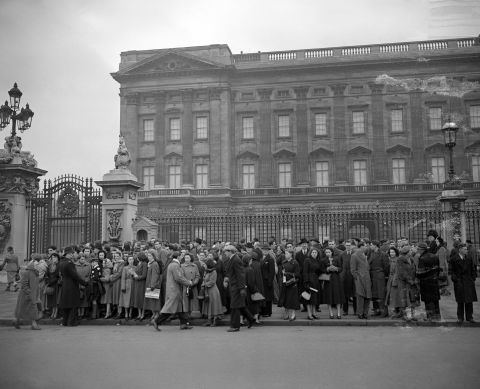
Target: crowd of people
[158, 281]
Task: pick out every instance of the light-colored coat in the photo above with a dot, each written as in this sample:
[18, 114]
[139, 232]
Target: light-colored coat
[28, 297]
[173, 292]
[126, 283]
[192, 274]
[361, 274]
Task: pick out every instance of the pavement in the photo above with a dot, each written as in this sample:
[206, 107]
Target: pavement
[448, 309]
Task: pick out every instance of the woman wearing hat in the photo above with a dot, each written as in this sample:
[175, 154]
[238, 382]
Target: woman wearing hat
[212, 304]
[28, 298]
[288, 290]
[393, 297]
[332, 289]
[311, 283]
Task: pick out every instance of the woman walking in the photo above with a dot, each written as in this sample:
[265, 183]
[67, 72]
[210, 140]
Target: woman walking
[28, 299]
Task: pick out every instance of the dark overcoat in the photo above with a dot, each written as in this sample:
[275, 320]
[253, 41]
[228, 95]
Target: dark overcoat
[289, 294]
[379, 271]
[268, 275]
[71, 281]
[332, 291]
[463, 278]
[235, 273]
[361, 274]
[346, 275]
[428, 269]
[311, 272]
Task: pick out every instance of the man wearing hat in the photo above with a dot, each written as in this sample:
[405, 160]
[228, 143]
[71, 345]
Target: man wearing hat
[70, 295]
[427, 273]
[268, 276]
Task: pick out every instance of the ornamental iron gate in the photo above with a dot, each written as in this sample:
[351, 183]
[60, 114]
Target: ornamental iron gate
[373, 221]
[67, 211]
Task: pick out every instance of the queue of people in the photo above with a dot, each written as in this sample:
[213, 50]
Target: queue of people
[160, 281]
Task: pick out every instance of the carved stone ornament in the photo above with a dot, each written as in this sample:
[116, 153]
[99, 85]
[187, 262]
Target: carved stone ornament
[68, 202]
[114, 195]
[5, 224]
[13, 148]
[114, 227]
[122, 158]
[132, 195]
[17, 184]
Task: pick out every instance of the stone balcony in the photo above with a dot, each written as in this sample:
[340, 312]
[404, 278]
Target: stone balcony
[348, 53]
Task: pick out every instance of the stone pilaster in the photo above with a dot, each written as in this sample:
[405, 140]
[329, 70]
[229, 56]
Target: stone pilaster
[454, 224]
[265, 135]
[302, 163]
[187, 139]
[418, 134]
[160, 140]
[129, 127]
[340, 135]
[215, 135]
[380, 174]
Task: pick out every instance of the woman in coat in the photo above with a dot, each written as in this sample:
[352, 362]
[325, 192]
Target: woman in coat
[212, 304]
[126, 283]
[394, 294]
[51, 281]
[153, 281]
[84, 270]
[442, 259]
[116, 280]
[96, 287]
[311, 283]
[406, 282]
[190, 294]
[140, 278]
[107, 297]
[254, 280]
[332, 290]
[28, 299]
[288, 298]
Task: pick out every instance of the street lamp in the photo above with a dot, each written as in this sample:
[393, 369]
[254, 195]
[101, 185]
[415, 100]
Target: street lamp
[450, 130]
[9, 112]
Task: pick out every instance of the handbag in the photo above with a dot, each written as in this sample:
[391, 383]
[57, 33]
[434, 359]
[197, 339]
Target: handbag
[201, 293]
[153, 294]
[189, 292]
[324, 277]
[257, 296]
[306, 296]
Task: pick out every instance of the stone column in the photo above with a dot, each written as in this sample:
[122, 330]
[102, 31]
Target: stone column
[266, 159]
[454, 218]
[379, 155]
[418, 137]
[215, 139]
[187, 139]
[160, 139]
[303, 168]
[18, 181]
[340, 135]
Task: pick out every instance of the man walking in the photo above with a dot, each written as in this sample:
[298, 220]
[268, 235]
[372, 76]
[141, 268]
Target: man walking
[235, 281]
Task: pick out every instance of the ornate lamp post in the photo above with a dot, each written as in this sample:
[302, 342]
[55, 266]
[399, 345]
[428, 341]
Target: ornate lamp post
[450, 130]
[20, 121]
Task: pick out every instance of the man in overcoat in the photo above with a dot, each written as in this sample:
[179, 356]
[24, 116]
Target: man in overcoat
[235, 281]
[70, 293]
[379, 270]
[427, 272]
[347, 279]
[361, 274]
[463, 277]
[300, 257]
[176, 280]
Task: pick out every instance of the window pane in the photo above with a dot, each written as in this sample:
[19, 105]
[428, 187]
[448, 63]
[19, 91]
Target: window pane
[435, 118]
[283, 126]
[148, 178]
[475, 116]
[175, 129]
[248, 176]
[398, 166]
[148, 130]
[284, 175]
[174, 177]
[397, 120]
[360, 172]
[476, 168]
[438, 170]
[201, 173]
[321, 124]
[247, 127]
[321, 169]
[358, 120]
[202, 127]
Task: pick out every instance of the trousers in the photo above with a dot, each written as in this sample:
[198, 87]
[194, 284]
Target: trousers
[235, 316]
[465, 309]
[362, 305]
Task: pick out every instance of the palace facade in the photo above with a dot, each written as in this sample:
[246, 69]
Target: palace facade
[341, 125]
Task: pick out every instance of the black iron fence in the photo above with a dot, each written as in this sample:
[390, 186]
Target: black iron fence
[374, 221]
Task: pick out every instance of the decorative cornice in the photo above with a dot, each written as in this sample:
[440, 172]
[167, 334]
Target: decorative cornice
[338, 89]
[265, 93]
[301, 92]
[187, 95]
[132, 98]
[375, 88]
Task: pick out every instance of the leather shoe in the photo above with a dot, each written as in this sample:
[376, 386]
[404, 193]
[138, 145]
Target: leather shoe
[185, 327]
[233, 330]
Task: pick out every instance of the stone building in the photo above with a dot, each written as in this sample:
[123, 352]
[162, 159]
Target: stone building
[208, 129]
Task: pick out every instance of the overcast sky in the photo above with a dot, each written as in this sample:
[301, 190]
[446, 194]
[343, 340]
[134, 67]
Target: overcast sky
[61, 53]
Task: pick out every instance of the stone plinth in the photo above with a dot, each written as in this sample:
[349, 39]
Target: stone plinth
[18, 182]
[454, 225]
[119, 204]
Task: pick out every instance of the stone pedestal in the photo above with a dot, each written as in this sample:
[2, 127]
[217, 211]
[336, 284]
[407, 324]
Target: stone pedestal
[18, 181]
[454, 225]
[119, 205]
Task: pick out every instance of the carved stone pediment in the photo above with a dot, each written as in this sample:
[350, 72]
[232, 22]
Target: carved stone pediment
[359, 150]
[248, 155]
[399, 149]
[321, 151]
[436, 147]
[284, 153]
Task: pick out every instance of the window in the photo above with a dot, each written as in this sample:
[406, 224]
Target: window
[247, 127]
[284, 175]
[248, 176]
[148, 178]
[202, 127]
[476, 168]
[475, 116]
[435, 115]
[320, 124]
[321, 173]
[360, 172]
[148, 130]
[398, 170]
[175, 129]
[396, 115]
[438, 170]
[358, 121]
[174, 177]
[201, 174]
[283, 126]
